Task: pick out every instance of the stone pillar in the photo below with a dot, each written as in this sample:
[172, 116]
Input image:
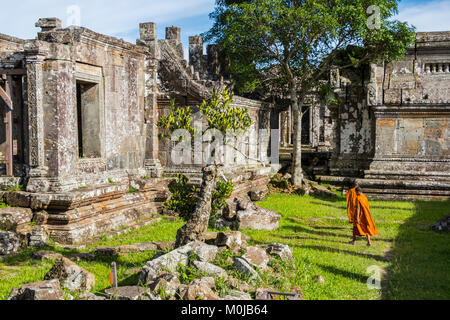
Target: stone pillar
[173, 33]
[148, 39]
[196, 53]
[35, 56]
[148, 31]
[173, 37]
[48, 24]
[212, 61]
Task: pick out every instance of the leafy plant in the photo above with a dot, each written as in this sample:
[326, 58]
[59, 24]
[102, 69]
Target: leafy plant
[183, 195]
[223, 191]
[17, 187]
[187, 274]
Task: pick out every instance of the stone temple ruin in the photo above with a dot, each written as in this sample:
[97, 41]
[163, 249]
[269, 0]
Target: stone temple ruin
[81, 109]
[390, 128]
[82, 126]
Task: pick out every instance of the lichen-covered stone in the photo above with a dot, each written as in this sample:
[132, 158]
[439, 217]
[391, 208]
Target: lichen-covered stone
[200, 289]
[9, 243]
[167, 262]
[12, 219]
[71, 276]
[44, 290]
[259, 219]
[256, 257]
[126, 293]
[244, 267]
[210, 269]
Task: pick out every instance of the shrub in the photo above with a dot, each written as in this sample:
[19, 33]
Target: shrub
[223, 191]
[184, 195]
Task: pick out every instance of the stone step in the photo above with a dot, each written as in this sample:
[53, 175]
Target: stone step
[394, 189]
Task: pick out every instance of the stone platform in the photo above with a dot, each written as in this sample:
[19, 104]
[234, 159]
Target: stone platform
[395, 189]
[79, 215]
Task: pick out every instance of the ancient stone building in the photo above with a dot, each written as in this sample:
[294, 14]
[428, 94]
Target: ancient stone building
[390, 128]
[82, 137]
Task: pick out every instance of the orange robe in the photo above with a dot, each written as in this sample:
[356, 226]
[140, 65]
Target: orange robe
[351, 204]
[366, 226]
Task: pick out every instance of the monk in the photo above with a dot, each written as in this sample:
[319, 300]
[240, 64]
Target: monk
[363, 224]
[351, 201]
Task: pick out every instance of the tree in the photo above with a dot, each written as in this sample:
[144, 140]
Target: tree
[223, 118]
[288, 47]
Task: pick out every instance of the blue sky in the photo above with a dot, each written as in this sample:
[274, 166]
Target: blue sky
[121, 18]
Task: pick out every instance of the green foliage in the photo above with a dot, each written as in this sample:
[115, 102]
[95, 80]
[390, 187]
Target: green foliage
[84, 187]
[17, 187]
[279, 182]
[183, 197]
[111, 181]
[221, 116]
[131, 189]
[218, 112]
[224, 189]
[187, 274]
[279, 45]
[221, 286]
[413, 255]
[178, 118]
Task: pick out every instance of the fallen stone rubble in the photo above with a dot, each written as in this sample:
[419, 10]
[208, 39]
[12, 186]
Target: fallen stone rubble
[161, 278]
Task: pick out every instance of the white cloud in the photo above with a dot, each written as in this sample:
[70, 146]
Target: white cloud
[430, 16]
[103, 16]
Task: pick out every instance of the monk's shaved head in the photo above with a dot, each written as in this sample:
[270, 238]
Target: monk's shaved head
[358, 190]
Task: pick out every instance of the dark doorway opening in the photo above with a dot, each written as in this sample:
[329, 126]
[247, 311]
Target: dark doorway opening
[88, 120]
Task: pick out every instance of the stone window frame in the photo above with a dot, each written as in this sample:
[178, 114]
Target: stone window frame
[95, 75]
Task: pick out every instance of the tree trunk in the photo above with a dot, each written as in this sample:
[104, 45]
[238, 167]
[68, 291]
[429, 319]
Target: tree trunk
[297, 172]
[198, 225]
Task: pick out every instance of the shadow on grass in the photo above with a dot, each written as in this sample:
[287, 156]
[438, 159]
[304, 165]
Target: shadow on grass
[336, 198]
[350, 275]
[421, 257]
[340, 251]
[317, 233]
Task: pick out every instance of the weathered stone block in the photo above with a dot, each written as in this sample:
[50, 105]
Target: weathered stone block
[9, 243]
[260, 219]
[210, 269]
[13, 218]
[126, 293]
[44, 290]
[256, 257]
[39, 237]
[71, 276]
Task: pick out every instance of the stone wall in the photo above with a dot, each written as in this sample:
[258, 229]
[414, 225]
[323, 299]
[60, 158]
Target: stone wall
[411, 100]
[111, 123]
[89, 107]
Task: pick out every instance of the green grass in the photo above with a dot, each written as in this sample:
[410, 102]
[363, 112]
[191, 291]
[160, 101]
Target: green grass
[20, 269]
[415, 259]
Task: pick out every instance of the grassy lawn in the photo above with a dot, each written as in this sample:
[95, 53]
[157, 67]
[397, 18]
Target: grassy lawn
[415, 260]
